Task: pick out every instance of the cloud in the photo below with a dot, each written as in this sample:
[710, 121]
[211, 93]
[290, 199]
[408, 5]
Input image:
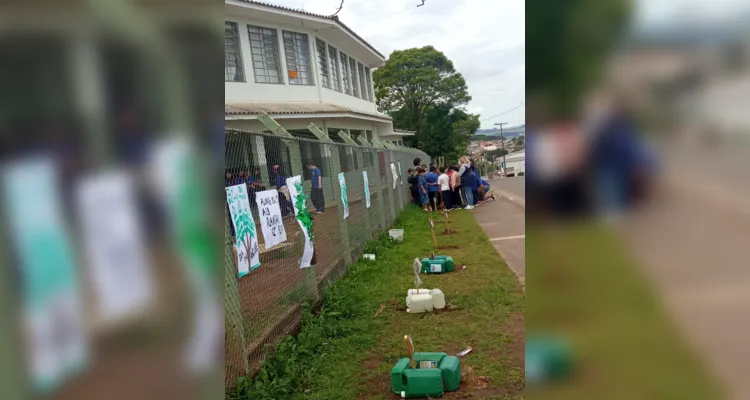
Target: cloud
[485, 39]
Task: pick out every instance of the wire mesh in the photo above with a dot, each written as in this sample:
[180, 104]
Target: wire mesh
[265, 305]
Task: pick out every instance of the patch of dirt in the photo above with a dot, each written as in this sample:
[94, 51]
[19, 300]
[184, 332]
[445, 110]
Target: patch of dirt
[447, 247]
[448, 233]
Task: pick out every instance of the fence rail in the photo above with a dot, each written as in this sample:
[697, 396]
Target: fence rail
[265, 305]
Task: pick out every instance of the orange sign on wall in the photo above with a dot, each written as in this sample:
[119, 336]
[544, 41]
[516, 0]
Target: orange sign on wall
[292, 74]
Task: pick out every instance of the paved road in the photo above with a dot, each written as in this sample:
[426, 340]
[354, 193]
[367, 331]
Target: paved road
[692, 241]
[515, 186]
[504, 223]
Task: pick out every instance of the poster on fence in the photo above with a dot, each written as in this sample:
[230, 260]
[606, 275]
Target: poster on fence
[114, 245]
[395, 175]
[186, 204]
[52, 309]
[304, 218]
[400, 178]
[248, 252]
[344, 198]
[271, 223]
[367, 188]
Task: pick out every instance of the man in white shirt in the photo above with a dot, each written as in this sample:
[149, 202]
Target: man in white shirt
[445, 189]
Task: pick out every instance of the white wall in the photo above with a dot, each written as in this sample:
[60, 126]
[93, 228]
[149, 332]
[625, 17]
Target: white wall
[250, 91]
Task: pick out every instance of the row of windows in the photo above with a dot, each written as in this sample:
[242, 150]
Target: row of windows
[356, 78]
[338, 71]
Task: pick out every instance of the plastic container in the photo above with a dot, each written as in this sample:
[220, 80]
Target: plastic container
[435, 373]
[438, 265]
[396, 234]
[438, 299]
[419, 303]
[370, 257]
[412, 292]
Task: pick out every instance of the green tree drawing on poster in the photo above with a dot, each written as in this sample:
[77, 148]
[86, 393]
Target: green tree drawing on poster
[344, 197]
[303, 214]
[245, 230]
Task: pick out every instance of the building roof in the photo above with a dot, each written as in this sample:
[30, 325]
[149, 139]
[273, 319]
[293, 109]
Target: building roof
[290, 108]
[334, 18]
[401, 132]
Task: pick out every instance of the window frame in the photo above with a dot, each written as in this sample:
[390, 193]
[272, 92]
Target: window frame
[281, 80]
[368, 78]
[306, 49]
[346, 81]
[355, 80]
[238, 54]
[323, 63]
[362, 81]
[336, 84]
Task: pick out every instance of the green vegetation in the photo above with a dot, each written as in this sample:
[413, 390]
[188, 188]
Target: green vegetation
[423, 92]
[589, 291]
[345, 351]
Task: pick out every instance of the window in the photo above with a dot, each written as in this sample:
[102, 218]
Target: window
[347, 160]
[353, 72]
[368, 80]
[264, 49]
[233, 71]
[345, 73]
[325, 78]
[297, 52]
[362, 80]
[370, 155]
[334, 64]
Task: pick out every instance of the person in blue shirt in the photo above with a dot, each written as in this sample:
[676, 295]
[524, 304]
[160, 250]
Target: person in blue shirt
[422, 187]
[318, 199]
[475, 184]
[280, 182]
[484, 191]
[433, 191]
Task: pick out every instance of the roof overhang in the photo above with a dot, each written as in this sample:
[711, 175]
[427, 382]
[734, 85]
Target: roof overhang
[295, 110]
[328, 28]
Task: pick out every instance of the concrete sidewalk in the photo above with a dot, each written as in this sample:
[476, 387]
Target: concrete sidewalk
[504, 223]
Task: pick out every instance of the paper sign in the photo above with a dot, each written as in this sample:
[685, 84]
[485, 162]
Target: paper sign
[52, 310]
[395, 174]
[367, 188]
[248, 254]
[271, 223]
[185, 201]
[114, 244]
[344, 198]
[304, 218]
[400, 178]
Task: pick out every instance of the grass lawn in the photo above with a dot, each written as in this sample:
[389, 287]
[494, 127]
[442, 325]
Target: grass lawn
[584, 287]
[346, 352]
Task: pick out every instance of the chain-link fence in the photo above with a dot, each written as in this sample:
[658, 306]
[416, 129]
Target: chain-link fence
[265, 305]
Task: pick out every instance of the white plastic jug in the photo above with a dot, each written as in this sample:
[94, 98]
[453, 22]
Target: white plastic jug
[438, 299]
[419, 303]
[413, 292]
[397, 234]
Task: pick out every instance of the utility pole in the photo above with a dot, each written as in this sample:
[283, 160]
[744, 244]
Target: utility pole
[502, 141]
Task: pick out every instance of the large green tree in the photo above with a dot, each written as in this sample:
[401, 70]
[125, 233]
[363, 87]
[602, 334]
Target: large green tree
[567, 42]
[421, 89]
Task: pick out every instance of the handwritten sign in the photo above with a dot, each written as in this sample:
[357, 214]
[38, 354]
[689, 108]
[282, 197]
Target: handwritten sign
[367, 188]
[271, 223]
[304, 218]
[344, 198]
[52, 308]
[114, 244]
[248, 252]
[395, 175]
[400, 178]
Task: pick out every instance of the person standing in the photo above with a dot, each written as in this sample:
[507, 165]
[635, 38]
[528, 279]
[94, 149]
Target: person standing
[455, 187]
[466, 182]
[433, 191]
[444, 185]
[413, 181]
[475, 184]
[422, 186]
[316, 194]
[280, 182]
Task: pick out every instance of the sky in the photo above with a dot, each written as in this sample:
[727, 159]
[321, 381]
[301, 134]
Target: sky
[485, 39]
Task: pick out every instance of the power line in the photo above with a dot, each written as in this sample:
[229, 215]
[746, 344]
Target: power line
[504, 112]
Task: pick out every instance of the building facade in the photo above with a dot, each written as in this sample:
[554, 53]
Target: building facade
[300, 68]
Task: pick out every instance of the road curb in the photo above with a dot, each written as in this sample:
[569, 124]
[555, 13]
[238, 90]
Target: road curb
[511, 198]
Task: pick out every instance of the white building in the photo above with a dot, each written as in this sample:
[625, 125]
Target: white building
[300, 67]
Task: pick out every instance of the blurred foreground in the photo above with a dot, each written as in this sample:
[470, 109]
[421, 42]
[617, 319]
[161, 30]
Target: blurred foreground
[645, 277]
[109, 267]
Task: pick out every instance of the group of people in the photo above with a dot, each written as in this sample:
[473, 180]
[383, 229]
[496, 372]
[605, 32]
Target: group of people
[448, 188]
